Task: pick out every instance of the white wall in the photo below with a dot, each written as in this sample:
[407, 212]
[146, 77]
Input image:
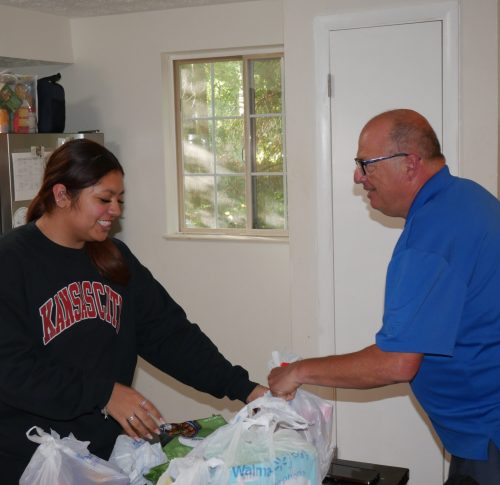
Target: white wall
[238, 291]
[479, 92]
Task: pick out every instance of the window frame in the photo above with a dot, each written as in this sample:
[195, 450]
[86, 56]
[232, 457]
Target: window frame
[249, 174]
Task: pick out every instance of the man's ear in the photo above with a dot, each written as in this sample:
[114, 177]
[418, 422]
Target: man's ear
[413, 164]
[61, 196]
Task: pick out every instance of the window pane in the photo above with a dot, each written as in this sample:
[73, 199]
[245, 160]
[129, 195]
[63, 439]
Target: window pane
[228, 88]
[231, 208]
[197, 146]
[266, 86]
[195, 92]
[267, 145]
[229, 143]
[199, 206]
[231, 134]
[269, 202]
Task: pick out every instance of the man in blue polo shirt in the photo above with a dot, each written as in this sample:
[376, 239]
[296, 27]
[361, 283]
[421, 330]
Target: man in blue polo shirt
[441, 324]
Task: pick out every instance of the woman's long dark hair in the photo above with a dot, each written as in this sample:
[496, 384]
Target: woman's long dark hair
[78, 164]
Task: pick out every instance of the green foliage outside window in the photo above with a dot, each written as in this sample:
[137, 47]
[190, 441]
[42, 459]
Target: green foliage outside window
[231, 144]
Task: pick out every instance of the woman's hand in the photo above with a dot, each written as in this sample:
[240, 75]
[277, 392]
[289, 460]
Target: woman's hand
[258, 391]
[138, 417]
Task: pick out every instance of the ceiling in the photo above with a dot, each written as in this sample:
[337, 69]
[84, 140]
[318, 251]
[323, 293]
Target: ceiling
[95, 8]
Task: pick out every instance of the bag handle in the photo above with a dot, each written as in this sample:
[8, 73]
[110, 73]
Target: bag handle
[42, 436]
[281, 409]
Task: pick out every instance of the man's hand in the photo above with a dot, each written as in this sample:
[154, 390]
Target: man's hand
[283, 381]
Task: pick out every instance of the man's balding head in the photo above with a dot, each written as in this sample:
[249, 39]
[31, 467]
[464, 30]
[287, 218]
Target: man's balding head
[409, 154]
[409, 132]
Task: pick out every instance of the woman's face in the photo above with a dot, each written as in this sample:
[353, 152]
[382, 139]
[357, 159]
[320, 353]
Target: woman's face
[92, 213]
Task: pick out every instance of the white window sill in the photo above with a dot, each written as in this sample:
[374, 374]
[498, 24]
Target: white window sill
[226, 238]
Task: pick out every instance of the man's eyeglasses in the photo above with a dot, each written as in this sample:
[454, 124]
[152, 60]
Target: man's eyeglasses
[361, 164]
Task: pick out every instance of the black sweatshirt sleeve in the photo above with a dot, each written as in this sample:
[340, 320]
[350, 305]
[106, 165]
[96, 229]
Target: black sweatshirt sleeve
[170, 342]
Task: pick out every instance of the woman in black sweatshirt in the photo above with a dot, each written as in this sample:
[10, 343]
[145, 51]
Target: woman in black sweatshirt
[76, 310]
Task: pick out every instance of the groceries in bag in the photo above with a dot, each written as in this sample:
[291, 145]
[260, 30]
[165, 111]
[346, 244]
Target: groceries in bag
[178, 439]
[267, 443]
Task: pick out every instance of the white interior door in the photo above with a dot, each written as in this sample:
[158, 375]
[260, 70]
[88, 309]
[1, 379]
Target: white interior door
[374, 69]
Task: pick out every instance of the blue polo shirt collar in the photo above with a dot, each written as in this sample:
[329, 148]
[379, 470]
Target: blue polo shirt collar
[434, 185]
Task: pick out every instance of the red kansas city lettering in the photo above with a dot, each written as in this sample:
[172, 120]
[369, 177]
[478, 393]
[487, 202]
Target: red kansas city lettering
[78, 302]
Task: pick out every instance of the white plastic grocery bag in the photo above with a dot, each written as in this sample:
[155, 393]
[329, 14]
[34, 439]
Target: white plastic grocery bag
[319, 415]
[67, 461]
[316, 411]
[136, 457]
[264, 444]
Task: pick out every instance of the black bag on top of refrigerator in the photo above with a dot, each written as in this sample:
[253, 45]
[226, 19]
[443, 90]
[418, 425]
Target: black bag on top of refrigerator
[51, 105]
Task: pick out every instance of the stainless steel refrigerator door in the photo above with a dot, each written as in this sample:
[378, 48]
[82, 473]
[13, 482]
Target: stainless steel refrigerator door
[22, 158]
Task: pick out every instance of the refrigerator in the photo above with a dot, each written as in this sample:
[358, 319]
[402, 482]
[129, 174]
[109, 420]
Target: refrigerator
[22, 162]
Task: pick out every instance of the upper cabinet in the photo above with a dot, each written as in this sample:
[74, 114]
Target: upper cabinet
[30, 38]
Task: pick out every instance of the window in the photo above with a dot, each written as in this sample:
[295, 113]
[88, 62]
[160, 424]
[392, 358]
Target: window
[230, 145]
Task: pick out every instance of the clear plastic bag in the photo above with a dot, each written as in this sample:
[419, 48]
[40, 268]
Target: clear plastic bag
[66, 461]
[18, 99]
